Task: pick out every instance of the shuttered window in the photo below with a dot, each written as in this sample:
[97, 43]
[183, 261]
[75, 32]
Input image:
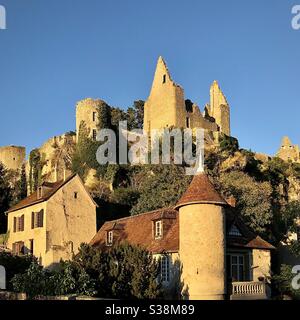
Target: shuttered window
[37, 219]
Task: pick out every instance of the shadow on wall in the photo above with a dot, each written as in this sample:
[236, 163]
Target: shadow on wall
[176, 289]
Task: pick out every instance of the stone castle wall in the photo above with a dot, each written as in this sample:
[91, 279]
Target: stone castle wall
[166, 106]
[12, 157]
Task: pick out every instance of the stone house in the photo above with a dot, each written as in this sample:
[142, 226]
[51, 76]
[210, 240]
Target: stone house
[205, 249]
[53, 221]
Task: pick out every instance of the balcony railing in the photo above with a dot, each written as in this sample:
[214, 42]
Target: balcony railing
[248, 291]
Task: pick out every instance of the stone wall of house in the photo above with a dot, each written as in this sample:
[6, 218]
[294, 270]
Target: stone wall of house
[261, 262]
[12, 157]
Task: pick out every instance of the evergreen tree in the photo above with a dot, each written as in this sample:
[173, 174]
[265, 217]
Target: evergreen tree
[5, 197]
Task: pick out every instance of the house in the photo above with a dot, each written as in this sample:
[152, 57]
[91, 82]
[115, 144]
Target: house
[206, 251]
[53, 221]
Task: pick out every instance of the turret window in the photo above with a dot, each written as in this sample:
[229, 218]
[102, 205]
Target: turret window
[234, 231]
[158, 229]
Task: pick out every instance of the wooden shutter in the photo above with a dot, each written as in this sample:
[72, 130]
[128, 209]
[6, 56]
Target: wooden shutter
[22, 222]
[41, 218]
[32, 220]
[15, 224]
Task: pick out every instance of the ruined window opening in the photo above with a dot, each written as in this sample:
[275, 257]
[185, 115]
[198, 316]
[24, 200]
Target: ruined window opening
[75, 195]
[94, 116]
[188, 122]
[164, 78]
[94, 134]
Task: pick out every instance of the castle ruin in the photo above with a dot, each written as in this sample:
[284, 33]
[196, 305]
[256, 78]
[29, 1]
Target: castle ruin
[166, 106]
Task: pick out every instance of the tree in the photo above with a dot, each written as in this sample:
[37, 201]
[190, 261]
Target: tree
[161, 187]
[104, 116]
[253, 198]
[21, 186]
[135, 115]
[35, 170]
[126, 271]
[5, 197]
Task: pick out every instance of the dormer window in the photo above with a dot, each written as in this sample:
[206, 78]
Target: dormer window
[158, 230]
[234, 231]
[110, 238]
[40, 192]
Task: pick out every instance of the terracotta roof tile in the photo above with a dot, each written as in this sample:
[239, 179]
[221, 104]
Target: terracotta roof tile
[52, 188]
[138, 230]
[201, 190]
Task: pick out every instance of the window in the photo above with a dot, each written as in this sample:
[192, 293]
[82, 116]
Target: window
[40, 192]
[237, 267]
[165, 268]
[37, 219]
[19, 223]
[298, 233]
[31, 246]
[110, 237]
[94, 134]
[94, 116]
[75, 195]
[164, 78]
[234, 231]
[158, 232]
[18, 248]
[188, 123]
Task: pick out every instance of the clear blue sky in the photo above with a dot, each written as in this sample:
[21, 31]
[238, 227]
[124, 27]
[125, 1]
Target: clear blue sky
[56, 52]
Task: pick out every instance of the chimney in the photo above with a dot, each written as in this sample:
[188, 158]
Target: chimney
[231, 201]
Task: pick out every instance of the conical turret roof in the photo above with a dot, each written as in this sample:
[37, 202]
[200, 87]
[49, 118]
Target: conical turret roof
[201, 190]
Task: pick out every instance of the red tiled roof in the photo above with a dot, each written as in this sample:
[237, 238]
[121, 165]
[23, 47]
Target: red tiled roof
[201, 190]
[52, 188]
[138, 230]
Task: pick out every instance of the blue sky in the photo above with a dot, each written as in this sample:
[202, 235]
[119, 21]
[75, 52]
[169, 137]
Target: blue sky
[57, 52]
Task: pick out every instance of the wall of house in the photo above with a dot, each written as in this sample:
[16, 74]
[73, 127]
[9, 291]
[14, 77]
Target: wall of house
[70, 221]
[37, 234]
[202, 251]
[12, 157]
[261, 263]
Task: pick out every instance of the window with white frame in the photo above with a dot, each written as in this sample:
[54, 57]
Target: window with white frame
[237, 267]
[158, 231]
[110, 238]
[165, 268]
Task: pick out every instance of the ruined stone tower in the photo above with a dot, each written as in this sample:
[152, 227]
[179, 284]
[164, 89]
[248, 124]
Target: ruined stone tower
[12, 157]
[166, 106]
[219, 108]
[288, 151]
[87, 113]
